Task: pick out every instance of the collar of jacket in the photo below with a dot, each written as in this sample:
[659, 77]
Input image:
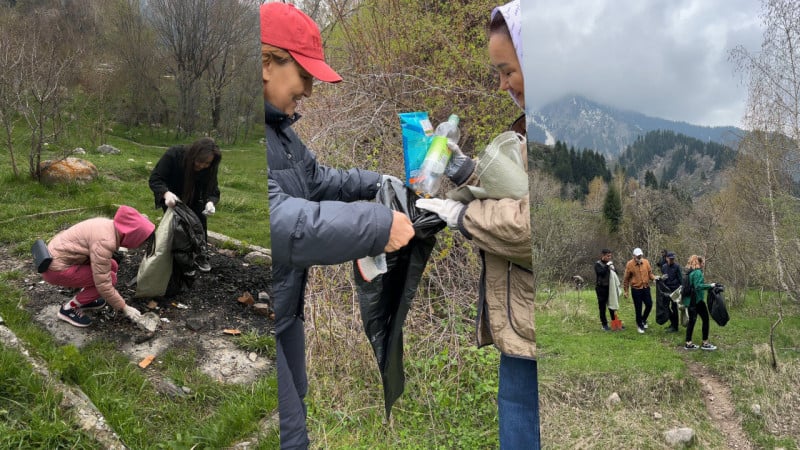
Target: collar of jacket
[277, 118]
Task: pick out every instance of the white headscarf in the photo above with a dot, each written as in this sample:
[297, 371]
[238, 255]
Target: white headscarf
[512, 15]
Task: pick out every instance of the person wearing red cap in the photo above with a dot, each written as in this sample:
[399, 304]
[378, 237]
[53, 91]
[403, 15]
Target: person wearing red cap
[315, 216]
[83, 258]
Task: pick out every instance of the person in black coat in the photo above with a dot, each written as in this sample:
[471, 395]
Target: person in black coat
[189, 174]
[603, 268]
[672, 272]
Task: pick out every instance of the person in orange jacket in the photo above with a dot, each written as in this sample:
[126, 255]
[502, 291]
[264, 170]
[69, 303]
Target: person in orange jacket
[637, 278]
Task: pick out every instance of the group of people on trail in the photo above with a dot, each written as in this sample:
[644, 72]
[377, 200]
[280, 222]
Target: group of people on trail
[83, 256]
[636, 280]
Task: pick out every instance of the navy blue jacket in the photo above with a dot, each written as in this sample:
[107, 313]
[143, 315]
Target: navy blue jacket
[674, 274]
[315, 218]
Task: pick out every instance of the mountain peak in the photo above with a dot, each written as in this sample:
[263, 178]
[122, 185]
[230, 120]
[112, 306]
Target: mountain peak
[583, 123]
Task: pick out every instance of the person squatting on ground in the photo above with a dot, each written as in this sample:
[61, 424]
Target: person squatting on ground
[603, 268]
[189, 174]
[673, 275]
[696, 303]
[315, 218]
[501, 229]
[638, 275]
[83, 258]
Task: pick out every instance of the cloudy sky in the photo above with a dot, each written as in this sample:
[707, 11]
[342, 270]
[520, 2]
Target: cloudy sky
[663, 58]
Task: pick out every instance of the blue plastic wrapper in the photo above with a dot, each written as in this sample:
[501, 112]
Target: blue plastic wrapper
[417, 136]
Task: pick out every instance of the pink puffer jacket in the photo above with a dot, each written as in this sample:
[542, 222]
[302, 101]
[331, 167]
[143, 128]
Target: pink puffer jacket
[94, 241]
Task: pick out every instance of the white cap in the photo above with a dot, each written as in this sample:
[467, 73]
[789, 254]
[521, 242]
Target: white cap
[637, 252]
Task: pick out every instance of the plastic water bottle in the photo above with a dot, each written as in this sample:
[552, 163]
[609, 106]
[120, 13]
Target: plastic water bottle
[431, 173]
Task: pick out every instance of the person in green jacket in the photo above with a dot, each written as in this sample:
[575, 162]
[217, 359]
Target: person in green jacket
[696, 303]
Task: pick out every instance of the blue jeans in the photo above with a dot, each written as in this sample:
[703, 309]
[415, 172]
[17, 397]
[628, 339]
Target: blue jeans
[518, 404]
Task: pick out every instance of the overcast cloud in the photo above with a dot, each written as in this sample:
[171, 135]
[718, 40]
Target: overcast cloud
[663, 58]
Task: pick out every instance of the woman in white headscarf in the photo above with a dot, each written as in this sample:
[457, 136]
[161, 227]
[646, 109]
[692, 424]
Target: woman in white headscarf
[501, 229]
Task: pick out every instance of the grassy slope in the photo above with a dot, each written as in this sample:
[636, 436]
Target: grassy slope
[216, 415]
[581, 366]
[449, 397]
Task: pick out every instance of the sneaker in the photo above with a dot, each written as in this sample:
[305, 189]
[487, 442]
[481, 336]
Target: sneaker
[672, 330]
[606, 328]
[645, 325]
[640, 330]
[74, 317]
[708, 346]
[690, 346]
[94, 304]
[203, 266]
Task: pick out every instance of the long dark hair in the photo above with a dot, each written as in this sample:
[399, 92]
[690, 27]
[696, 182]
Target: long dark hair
[200, 149]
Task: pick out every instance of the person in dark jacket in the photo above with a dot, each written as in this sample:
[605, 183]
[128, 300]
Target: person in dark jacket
[603, 268]
[189, 174]
[662, 259]
[696, 303]
[315, 216]
[673, 273]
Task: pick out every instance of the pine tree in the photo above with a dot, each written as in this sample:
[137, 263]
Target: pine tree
[612, 208]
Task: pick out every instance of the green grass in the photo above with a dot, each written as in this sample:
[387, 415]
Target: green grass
[580, 366]
[242, 213]
[214, 415]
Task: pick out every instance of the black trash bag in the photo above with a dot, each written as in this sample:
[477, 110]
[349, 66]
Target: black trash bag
[385, 301]
[663, 301]
[716, 305]
[188, 245]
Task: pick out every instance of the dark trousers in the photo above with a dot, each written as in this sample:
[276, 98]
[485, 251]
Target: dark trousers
[641, 297]
[699, 309]
[673, 315]
[602, 304]
[292, 386]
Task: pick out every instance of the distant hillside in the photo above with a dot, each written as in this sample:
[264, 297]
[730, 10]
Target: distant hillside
[582, 123]
[664, 158]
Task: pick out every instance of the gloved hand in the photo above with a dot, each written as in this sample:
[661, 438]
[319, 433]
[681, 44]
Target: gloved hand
[448, 210]
[132, 313]
[210, 209]
[713, 285]
[170, 199]
[391, 178]
[456, 163]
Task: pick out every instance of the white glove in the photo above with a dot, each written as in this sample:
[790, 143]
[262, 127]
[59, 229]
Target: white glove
[448, 210]
[390, 178]
[132, 313]
[210, 209]
[610, 263]
[713, 285]
[170, 199]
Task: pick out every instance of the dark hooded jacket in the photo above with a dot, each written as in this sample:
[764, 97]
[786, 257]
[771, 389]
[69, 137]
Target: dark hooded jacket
[168, 173]
[312, 219]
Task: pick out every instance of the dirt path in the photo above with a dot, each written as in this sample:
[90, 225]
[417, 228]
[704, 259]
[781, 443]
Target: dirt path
[718, 400]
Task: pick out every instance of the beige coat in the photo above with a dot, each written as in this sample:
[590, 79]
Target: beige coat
[502, 231]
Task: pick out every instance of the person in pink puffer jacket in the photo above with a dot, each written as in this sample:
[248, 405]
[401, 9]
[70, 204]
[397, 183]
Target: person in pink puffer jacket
[82, 258]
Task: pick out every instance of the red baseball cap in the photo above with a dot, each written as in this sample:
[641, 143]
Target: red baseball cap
[288, 28]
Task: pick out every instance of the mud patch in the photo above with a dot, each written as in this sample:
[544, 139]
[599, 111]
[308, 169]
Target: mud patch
[192, 321]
